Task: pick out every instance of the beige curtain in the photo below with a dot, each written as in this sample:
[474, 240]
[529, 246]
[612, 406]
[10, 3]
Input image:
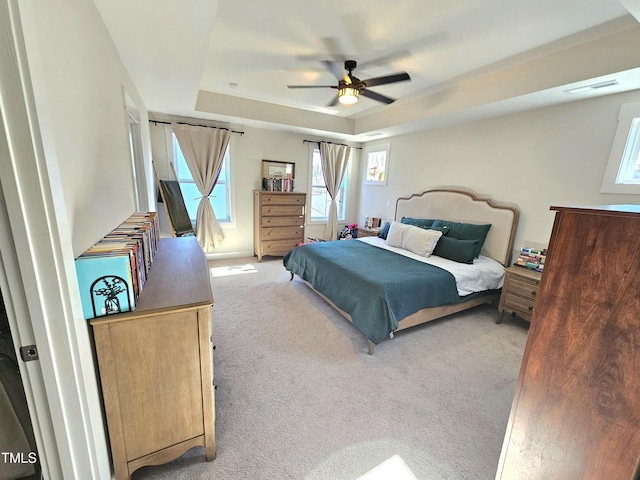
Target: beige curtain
[334, 159]
[204, 150]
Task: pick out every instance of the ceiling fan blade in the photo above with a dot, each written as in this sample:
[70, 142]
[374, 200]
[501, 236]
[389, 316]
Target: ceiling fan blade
[333, 102]
[398, 77]
[377, 96]
[333, 47]
[311, 86]
[334, 69]
[385, 59]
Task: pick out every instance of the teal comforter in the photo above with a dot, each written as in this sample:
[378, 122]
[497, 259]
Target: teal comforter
[377, 287]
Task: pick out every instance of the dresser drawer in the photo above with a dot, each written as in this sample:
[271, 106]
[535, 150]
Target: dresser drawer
[279, 247]
[525, 287]
[282, 210]
[519, 304]
[282, 233]
[519, 292]
[274, 199]
[282, 221]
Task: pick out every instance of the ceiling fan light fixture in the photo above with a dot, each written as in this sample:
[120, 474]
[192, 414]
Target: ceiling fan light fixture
[348, 95]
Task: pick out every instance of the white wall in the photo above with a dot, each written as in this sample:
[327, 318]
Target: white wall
[536, 159]
[78, 79]
[247, 153]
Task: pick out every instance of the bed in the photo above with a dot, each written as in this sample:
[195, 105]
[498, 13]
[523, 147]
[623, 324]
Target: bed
[383, 289]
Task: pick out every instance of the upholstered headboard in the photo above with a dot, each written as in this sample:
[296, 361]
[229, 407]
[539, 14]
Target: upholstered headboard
[465, 207]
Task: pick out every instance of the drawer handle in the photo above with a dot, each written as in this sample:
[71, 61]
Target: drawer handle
[531, 309]
[534, 293]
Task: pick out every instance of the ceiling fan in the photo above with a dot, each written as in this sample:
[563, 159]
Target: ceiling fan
[350, 87]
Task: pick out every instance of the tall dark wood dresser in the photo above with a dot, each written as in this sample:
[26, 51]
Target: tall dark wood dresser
[576, 410]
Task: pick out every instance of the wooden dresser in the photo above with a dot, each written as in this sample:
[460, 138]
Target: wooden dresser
[278, 222]
[519, 292]
[576, 410]
[368, 232]
[156, 363]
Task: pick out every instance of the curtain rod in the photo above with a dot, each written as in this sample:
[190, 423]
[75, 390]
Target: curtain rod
[332, 143]
[193, 125]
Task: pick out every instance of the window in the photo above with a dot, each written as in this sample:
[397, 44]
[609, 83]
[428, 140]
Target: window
[629, 171]
[219, 198]
[623, 170]
[377, 167]
[320, 199]
[137, 157]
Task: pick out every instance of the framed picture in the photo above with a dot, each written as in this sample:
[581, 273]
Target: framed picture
[278, 176]
[377, 164]
[280, 170]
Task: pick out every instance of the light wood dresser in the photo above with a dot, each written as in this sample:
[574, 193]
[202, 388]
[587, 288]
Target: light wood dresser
[156, 363]
[519, 292]
[576, 409]
[278, 222]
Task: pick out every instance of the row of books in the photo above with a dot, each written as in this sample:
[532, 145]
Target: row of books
[112, 273]
[277, 184]
[532, 258]
[373, 222]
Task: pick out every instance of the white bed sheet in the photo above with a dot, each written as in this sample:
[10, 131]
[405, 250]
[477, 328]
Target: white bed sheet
[484, 274]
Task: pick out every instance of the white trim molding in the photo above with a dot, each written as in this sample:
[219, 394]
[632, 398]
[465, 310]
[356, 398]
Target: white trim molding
[38, 265]
[623, 142]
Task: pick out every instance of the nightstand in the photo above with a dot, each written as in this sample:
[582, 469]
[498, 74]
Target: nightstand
[519, 292]
[368, 232]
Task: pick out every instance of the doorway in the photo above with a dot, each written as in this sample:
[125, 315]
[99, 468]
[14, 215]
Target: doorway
[18, 451]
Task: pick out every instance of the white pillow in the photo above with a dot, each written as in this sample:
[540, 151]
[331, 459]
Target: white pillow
[395, 234]
[420, 241]
[412, 238]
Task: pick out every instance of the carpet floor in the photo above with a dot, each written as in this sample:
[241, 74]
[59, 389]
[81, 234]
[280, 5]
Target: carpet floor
[298, 397]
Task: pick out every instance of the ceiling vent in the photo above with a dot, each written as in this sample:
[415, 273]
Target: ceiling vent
[595, 86]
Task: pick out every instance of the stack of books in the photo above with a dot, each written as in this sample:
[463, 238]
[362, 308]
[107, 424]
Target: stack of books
[532, 258]
[112, 273]
[277, 184]
[373, 222]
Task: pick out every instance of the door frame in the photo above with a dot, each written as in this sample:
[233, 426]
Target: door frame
[37, 272]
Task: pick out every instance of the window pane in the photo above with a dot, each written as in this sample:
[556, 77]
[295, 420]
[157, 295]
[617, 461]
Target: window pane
[317, 179]
[219, 198]
[629, 172]
[223, 172]
[181, 164]
[319, 202]
[191, 198]
[376, 166]
[320, 199]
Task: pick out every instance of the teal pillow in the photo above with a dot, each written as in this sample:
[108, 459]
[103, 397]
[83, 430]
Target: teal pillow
[384, 231]
[466, 231]
[441, 228]
[461, 251]
[418, 222]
